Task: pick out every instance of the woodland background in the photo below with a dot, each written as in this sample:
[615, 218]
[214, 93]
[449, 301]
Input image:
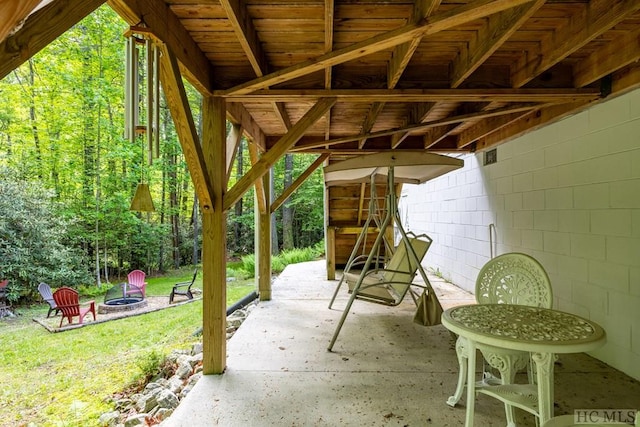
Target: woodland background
[67, 175]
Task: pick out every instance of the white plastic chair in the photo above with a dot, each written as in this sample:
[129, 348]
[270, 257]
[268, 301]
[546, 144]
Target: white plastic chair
[512, 278]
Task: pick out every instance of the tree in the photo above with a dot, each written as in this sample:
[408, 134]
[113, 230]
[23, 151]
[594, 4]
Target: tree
[35, 244]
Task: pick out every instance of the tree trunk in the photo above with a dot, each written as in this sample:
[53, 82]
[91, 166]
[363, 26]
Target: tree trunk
[275, 249]
[287, 211]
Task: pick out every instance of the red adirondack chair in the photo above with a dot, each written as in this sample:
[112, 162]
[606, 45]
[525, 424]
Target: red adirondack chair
[136, 278]
[68, 303]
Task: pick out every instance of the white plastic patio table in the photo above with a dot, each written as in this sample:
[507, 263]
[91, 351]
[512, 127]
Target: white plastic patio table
[540, 331]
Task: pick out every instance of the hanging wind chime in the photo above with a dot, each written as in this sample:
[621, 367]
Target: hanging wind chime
[142, 98]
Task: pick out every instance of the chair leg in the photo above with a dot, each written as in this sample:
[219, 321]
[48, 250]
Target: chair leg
[171, 295]
[461, 351]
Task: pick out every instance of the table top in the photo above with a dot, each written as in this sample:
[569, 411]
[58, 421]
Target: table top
[525, 328]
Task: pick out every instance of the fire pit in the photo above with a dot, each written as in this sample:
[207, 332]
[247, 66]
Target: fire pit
[122, 297]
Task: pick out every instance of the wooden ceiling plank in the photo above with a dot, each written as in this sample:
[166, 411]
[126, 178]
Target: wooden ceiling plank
[499, 29]
[13, 12]
[298, 182]
[597, 17]
[246, 33]
[370, 120]
[416, 95]
[329, 13]
[278, 150]
[610, 57]
[41, 28]
[178, 103]
[166, 26]
[459, 15]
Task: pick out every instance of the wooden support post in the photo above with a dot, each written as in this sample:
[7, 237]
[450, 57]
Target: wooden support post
[263, 243]
[214, 248]
[330, 250]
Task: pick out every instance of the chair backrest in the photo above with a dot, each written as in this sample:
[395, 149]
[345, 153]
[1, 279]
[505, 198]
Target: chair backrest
[136, 277]
[3, 284]
[514, 278]
[67, 301]
[193, 280]
[401, 268]
[45, 293]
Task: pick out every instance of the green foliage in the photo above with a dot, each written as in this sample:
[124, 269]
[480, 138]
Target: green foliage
[34, 240]
[69, 378]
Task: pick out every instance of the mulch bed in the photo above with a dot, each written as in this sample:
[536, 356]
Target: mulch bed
[52, 324]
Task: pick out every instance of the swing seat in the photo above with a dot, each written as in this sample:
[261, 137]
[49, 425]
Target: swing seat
[389, 285]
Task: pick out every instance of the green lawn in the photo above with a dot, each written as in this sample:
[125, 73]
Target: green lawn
[67, 378]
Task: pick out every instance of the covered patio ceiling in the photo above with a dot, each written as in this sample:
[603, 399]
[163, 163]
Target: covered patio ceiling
[344, 77]
[440, 75]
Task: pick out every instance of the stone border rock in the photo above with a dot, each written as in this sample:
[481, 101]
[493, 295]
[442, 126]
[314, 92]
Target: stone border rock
[159, 398]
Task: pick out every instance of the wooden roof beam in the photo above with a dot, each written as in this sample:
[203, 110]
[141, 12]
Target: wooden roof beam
[246, 34]
[610, 57]
[486, 127]
[329, 11]
[499, 28]
[278, 150]
[13, 12]
[234, 138]
[459, 15]
[399, 60]
[422, 126]
[39, 29]
[166, 26]
[237, 113]
[415, 95]
[418, 114]
[597, 17]
[176, 97]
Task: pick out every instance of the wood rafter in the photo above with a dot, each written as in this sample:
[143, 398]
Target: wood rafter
[596, 18]
[473, 10]
[185, 127]
[167, 28]
[418, 95]
[417, 126]
[278, 150]
[234, 138]
[13, 13]
[39, 29]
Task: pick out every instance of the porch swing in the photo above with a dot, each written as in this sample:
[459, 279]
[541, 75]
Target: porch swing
[395, 280]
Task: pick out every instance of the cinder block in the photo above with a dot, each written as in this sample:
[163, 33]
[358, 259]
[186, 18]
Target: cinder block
[593, 196]
[572, 268]
[558, 198]
[557, 243]
[608, 114]
[523, 220]
[558, 154]
[589, 146]
[513, 202]
[624, 250]
[623, 137]
[588, 246]
[523, 182]
[533, 200]
[611, 222]
[545, 220]
[546, 178]
[609, 275]
[575, 221]
[625, 194]
[532, 240]
[587, 295]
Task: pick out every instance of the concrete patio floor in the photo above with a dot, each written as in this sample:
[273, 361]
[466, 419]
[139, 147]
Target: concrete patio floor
[385, 370]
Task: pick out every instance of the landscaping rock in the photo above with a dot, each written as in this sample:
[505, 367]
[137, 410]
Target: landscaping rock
[109, 419]
[157, 401]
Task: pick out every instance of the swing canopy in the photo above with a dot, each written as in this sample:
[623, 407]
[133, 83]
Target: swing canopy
[412, 167]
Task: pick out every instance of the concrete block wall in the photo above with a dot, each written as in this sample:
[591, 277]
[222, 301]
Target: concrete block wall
[567, 194]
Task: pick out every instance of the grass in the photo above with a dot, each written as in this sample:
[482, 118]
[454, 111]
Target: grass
[66, 379]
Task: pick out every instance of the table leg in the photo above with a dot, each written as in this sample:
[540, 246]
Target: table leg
[544, 376]
[471, 382]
